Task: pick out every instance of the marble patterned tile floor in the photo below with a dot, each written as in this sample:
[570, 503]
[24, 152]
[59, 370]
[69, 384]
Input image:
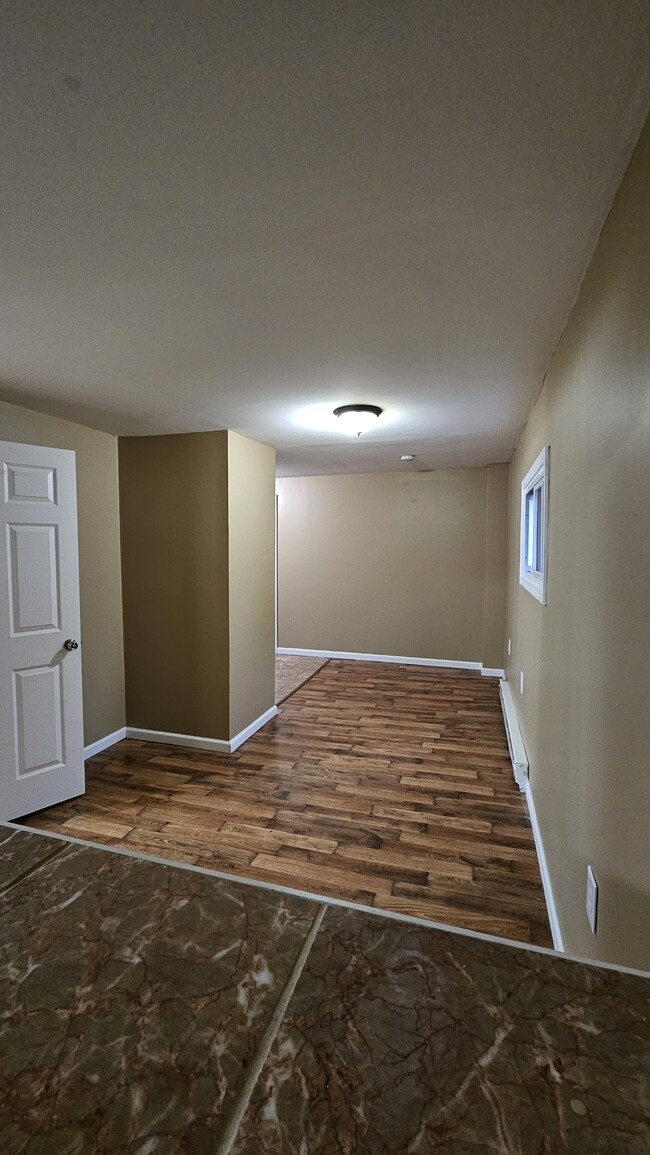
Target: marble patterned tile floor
[19, 856]
[150, 1009]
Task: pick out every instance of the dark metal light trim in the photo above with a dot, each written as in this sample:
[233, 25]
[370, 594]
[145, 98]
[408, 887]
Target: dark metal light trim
[358, 409]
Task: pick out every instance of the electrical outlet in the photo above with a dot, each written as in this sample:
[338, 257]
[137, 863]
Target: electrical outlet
[521, 681]
[509, 646]
[592, 899]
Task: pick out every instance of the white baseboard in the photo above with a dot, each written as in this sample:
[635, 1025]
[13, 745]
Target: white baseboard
[218, 745]
[543, 869]
[519, 759]
[104, 743]
[350, 657]
[488, 672]
[253, 728]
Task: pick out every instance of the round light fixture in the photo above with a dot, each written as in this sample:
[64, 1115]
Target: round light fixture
[357, 419]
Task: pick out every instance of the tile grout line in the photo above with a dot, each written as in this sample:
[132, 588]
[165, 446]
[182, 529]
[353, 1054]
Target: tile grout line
[268, 1038]
[32, 870]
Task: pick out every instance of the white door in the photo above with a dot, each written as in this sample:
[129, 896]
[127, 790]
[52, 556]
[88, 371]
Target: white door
[41, 728]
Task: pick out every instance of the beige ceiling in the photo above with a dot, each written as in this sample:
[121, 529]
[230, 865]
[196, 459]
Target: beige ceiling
[220, 214]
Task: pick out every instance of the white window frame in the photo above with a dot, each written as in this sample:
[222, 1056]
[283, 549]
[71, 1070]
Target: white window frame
[533, 538]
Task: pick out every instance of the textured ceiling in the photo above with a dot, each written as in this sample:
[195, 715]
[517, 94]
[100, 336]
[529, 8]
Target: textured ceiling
[227, 214]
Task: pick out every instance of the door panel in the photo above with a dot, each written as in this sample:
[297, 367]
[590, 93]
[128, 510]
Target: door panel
[33, 572]
[37, 719]
[41, 731]
[30, 483]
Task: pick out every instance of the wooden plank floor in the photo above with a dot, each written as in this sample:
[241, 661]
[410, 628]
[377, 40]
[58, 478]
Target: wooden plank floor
[385, 785]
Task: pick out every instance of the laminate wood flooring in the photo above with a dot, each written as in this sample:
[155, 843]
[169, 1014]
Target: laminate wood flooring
[379, 784]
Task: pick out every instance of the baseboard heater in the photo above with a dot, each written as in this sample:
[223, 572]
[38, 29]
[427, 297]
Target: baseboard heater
[516, 746]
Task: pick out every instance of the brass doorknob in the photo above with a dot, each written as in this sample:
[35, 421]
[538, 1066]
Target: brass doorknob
[70, 644]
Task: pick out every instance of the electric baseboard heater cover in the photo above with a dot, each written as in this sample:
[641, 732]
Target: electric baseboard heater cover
[518, 755]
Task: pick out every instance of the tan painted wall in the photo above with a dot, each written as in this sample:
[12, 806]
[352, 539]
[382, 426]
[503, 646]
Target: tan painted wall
[99, 557]
[174, 501]
[496, 565]
[392, 563]
[251, 501]
[585, 712]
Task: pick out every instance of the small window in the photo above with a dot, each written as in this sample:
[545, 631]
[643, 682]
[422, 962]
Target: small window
[534, 528]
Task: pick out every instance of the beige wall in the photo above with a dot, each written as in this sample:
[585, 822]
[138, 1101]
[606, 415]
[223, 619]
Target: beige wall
[496, 565]
[585, 711]
[251, 542]
[393, 563]
[99, 558]
[198, 577]
[174, 501]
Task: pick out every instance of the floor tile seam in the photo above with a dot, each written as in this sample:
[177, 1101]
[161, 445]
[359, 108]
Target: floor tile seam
[32, 869]
[256, 1066]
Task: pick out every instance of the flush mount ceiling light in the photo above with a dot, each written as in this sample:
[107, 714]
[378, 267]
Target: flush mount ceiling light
[357, 419]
